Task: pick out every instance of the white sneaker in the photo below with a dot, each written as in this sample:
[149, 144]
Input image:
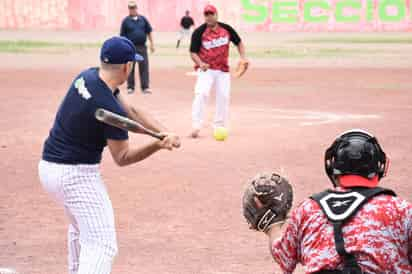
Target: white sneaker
[147, 91]
[195, 133]
[130, 90]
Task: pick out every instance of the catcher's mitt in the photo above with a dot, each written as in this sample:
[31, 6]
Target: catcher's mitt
[267, 201]
[241, 68]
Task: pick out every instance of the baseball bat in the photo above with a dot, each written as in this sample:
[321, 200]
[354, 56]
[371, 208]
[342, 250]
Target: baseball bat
[125, 123]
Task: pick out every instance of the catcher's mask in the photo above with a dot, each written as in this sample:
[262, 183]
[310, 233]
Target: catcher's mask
[356, 152]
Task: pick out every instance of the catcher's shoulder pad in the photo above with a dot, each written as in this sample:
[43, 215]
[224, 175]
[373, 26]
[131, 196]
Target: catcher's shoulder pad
[340, 206]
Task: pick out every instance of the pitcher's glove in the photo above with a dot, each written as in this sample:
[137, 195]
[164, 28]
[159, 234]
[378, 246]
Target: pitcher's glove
[267, 201]
[241, 68]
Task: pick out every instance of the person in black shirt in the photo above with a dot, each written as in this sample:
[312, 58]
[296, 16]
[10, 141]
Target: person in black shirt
[137, 29]
[186, 23]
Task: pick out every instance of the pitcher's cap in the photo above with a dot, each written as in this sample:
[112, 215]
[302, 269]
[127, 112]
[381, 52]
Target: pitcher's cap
[210, 8]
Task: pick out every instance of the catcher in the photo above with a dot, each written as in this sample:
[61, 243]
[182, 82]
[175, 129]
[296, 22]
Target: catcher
[209, 51]
[355, 228]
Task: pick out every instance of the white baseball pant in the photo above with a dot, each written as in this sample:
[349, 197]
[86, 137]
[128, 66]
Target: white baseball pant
[204, 83]
[92, 241]
[184, 33]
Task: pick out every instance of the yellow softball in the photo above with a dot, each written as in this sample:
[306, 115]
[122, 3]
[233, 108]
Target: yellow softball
[220, 133]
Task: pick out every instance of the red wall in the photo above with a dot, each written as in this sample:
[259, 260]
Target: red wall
[165, 14]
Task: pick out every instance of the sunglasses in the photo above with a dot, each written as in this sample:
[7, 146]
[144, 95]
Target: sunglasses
[209, 13]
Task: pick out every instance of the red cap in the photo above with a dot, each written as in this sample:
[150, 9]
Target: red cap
[210, 8]
[348, 181]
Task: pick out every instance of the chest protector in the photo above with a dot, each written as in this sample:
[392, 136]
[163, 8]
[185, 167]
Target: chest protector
[339, 207]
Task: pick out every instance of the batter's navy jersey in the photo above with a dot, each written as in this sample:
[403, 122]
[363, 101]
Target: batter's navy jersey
[77, 137]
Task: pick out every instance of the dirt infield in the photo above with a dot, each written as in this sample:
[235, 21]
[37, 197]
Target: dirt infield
[179, 212]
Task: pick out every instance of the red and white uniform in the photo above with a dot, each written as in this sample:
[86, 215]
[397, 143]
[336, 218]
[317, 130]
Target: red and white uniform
[379, 235]
[212, 47]
[215, 48]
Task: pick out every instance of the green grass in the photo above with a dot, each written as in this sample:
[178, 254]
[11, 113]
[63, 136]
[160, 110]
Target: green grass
[297, 51]
[302, 52]
[284, 52]
[24, 46]
[357, 40]
[28, 46]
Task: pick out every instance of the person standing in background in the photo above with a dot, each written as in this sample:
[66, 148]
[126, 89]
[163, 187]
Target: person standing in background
[137, 29]
[186, 23]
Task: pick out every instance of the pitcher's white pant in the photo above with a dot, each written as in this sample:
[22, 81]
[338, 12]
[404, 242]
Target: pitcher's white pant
[92, 241]
[204, 84]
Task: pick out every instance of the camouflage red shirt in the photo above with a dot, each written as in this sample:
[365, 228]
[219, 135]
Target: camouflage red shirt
[380, 236]
[212, 45]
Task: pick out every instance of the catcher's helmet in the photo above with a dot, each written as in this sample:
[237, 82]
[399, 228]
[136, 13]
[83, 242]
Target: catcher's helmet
[356, 152]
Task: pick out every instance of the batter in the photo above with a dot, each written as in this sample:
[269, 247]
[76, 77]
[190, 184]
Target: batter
[69, 169]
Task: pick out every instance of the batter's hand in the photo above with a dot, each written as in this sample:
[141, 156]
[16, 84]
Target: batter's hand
[170, 141]
[204, 66]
